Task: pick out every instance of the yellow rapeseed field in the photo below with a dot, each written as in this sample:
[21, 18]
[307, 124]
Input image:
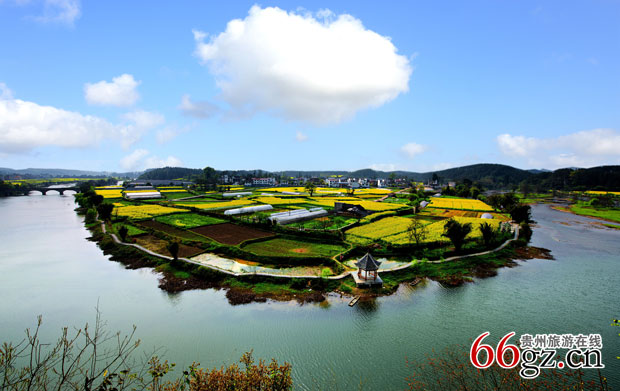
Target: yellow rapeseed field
[380, 229]
[281, 189]
[459, 203]
[436, 229]
[596, 192]
[280, 201]
[144, 211]
[109, 193]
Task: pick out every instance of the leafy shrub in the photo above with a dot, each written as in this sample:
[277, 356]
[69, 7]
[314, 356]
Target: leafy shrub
[298, 283]
[91, 215]
[122, 232]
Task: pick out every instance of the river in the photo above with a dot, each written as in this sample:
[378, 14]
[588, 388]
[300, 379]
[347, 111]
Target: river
[48, 267]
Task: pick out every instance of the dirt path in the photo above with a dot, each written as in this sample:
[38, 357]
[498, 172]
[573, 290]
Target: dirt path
[338, 277]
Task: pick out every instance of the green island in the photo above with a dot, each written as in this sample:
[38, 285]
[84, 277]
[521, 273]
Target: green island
[302, 242]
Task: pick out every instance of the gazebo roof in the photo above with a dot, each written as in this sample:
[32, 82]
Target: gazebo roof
[368, 263]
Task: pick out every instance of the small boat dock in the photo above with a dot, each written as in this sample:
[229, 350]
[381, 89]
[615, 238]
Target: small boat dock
[354, 301]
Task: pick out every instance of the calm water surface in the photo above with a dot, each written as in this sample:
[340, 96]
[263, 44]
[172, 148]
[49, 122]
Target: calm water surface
[48, 267]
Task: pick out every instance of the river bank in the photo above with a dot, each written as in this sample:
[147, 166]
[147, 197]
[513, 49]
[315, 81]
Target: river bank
[49, 268]
[184, 274]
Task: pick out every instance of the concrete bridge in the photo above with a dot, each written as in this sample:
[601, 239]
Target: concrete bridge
[61, 190]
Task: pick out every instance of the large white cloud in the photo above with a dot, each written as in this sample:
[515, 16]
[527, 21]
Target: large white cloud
[584, 149]
[120, 92]
[141, 159]
[27, 125]
[303, 68]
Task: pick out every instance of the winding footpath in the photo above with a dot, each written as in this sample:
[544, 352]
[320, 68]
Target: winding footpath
[338, 277]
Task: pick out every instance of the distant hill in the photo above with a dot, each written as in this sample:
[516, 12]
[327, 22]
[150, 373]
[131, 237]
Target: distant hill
[62, 172]
[595, 178]
[171, 173]
[490, 176]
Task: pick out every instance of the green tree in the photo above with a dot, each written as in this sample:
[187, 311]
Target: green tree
[521, 213]
[456, 232]
[105, 211]
[525, 232]
[414, 202]
[417, 232]
[488, 234]
[122, 232]
[173, 249]
[91, 215]
[525, 188]
[310, 188]
[96, 199]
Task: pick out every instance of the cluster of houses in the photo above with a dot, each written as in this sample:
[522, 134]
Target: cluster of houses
[336, 181]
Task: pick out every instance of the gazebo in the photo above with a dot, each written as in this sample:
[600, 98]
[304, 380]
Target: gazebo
[367, 264]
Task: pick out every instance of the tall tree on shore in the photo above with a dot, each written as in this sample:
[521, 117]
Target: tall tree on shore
[456, 232]
[173, 249]
[310, 188]
[488, 233]
[105, 211]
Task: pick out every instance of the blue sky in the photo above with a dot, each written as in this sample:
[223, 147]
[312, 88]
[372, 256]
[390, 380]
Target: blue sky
[111, 85]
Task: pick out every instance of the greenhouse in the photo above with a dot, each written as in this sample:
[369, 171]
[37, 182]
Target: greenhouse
[238, 194]
[142, 195]
[297, 215]
[248, 209]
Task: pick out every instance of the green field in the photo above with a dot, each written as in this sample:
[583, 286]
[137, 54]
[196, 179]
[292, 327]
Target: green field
[176, 195]
[332, 222]
[131, 230]
[188, 220]
[612, 214]
[293, 248]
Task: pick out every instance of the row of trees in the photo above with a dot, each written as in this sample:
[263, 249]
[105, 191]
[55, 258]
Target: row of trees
[93, 203]
[465, 189]
[509, 203]
[453, 230]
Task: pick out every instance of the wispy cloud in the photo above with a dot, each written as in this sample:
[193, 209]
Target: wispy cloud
[412, 150]
[141, 159]
[197, 109]
[60, 11]
[586, 148]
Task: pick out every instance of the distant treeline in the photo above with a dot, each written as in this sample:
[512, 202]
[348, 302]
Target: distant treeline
[596, 178]
[485, 176]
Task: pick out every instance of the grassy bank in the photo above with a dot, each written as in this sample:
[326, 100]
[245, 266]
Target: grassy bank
[610, 214]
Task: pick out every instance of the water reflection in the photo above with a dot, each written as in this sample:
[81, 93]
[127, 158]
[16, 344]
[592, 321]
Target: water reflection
[49, 268]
